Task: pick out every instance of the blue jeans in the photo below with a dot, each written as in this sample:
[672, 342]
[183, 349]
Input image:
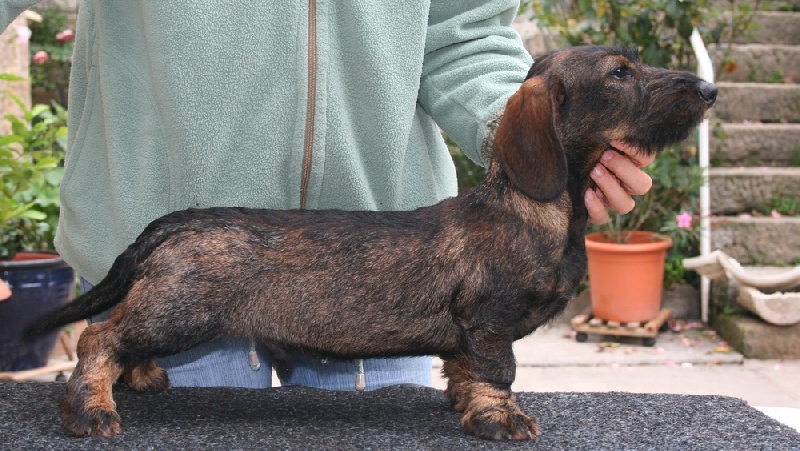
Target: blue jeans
[224, 363]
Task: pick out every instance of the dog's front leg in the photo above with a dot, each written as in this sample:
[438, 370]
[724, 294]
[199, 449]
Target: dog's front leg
[479, 386]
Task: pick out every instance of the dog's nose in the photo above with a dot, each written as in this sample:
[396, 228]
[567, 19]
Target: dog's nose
[707, 92]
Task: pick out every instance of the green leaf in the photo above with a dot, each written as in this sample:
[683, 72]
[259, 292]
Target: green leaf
[11, 77]
[22, 106]
[39, 109]
[54, 176]
[9, 139]
[47, 161]
[34, 215]
[19, 212]
[19, 128]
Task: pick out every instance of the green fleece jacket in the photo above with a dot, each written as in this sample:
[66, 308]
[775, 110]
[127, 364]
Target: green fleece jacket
[179, 104]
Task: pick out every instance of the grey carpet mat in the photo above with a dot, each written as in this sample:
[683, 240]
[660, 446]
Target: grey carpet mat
[403, 417]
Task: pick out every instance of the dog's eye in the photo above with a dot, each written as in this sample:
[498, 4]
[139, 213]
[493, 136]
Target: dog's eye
[621, 73]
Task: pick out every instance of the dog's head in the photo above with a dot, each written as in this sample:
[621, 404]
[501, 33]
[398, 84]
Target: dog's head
[575, 102]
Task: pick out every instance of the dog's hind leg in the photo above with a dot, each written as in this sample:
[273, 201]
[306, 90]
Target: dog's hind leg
[88, 408]
[479, 386]
[145, 376]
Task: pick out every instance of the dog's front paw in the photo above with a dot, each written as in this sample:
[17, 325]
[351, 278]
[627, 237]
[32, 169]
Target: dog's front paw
[504, 422]
[93, 422]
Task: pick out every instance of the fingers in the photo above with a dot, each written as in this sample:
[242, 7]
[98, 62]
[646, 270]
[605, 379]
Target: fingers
[618, 177]
[596, 207]
[627, 172]
[613, 190]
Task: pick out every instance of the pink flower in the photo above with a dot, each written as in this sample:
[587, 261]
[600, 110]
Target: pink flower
[41, 57]
[775, 214]
[23, 35]
[65, 36]
[684, 220]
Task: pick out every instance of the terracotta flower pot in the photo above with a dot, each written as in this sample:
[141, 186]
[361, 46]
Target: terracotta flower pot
[626, 280]
[39, 282]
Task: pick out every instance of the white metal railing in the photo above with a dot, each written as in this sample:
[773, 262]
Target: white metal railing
[705, 70]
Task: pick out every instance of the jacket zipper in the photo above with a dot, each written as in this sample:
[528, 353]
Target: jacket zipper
[308, 144]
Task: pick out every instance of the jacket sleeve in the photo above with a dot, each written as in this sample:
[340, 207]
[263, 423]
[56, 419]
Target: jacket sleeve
[474, 61]
[10, 9]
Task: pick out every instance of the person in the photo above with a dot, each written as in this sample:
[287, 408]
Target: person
[283, 104]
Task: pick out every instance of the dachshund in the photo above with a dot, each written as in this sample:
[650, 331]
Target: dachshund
[462, 279]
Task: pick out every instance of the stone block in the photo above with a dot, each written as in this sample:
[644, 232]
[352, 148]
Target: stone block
[756, 339]
[741, 190]
[13, 60]
[758, 102]
[774, 27]
[758, 241]
[762, 63]
[755, 145]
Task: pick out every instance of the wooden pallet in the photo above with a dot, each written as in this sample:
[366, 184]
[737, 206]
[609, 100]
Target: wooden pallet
[586, 324]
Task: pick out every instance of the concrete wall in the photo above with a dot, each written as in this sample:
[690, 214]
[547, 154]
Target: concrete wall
[13, 60]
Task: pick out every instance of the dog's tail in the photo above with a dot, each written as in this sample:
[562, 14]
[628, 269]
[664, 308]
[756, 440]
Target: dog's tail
[105, 295]
[114, 287]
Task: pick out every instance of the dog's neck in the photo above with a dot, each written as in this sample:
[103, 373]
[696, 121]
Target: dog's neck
[570, 204]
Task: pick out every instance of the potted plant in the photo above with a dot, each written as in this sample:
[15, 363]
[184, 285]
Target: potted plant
[633, 256]
[38, 280]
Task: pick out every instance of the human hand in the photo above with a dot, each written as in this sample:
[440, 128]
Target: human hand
[617, 177]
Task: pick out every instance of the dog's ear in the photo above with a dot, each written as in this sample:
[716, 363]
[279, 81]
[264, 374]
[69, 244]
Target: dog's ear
[526, 144]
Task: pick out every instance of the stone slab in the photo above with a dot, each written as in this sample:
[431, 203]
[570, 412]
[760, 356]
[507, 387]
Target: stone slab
[762, 63]
[774, 27]
[758, 340]
[555, 346]
[742, 190]
[13, 60]
[756, 145]
[758, 102]
[782, 309]
[758, 241]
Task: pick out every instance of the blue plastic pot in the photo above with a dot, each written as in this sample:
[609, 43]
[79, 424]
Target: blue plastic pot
[39, 282]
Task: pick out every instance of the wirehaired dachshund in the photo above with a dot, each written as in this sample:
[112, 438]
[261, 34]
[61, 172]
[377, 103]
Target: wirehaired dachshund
[462, 279]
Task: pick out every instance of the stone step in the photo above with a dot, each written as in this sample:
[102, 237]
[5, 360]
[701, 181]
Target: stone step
[743, 190]
[756, 145]
[758, 102]
[756, 339]
[758, 241]
[773, 27]
[779, 5]
[762, 63]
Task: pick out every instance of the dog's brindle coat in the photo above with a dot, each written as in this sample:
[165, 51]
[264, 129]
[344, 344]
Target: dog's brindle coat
[462, 279]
